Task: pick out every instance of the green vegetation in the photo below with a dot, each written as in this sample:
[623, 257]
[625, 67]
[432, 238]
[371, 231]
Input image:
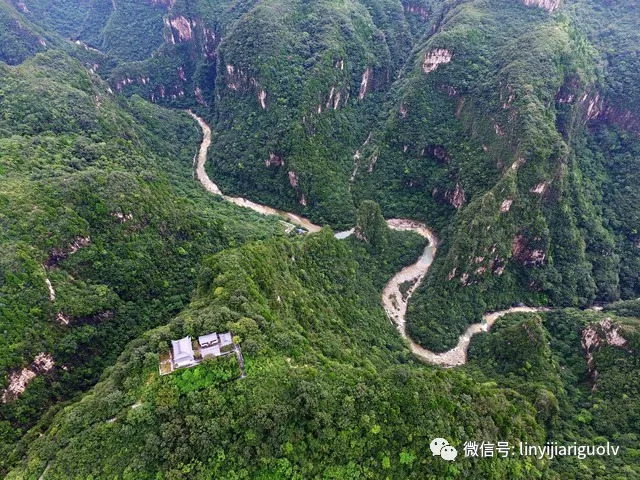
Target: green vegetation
[127, 29]
[19, 39]
[533, 225]
[330, 391]
[513, 131]
[518, 151]
[80, 166]
[543, 357]
[211, 373]
[371, 226]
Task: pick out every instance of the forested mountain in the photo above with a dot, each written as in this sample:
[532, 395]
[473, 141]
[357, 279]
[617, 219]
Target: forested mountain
[102, 227]
[331, 392]
[509, 127]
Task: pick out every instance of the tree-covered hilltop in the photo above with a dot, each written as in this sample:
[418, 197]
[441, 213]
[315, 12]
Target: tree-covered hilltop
[331, 391]
[371, 226]
[102, 228]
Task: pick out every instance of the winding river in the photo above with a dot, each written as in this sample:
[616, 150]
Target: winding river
[393, 299]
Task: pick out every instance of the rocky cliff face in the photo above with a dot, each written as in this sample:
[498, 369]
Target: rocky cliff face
[597, 336]
[179, 29]
[418, 10]
[182, 71]
[435, 58]
[548, 5]
[20, 38]
[19, 380]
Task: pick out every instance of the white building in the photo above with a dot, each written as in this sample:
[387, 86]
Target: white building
[214, 344]
[209, 345]
[183, 355]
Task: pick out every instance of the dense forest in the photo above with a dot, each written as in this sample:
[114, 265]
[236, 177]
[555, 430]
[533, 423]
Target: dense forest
[103, 229]
[504, 124]
[331, 392]
[509, 127]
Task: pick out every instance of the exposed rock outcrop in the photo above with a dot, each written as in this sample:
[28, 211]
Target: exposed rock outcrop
[262, 98]
[179, 29]
[274, 160]
[211, 42]
[548, 5]
[624, 118]
[456, 197]
[593, 104]
[239, 80]
[122, 217]
[435, 58]
[569, 91]
[126, 81]
[528, 252]
[52, 292]
[418, 10]
[597, 335]
[596, 108]
[162, 92]
[199, 96]
[59, 254]
[19, 380]
[506, 205]
[540, 188]
[507, 95]
[372, 162]
[294, 181]
[365, 83]
[94, 319]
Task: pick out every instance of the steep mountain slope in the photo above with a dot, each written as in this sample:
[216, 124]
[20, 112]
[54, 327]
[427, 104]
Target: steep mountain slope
[129, 30]
[475, 128]
[494, 121]
[331, 392]
[326, 393]
[326, 59]
[316, 93]
[572, 366]
[19, 38]
[102, 228]
[512, 127]
[488, 124]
